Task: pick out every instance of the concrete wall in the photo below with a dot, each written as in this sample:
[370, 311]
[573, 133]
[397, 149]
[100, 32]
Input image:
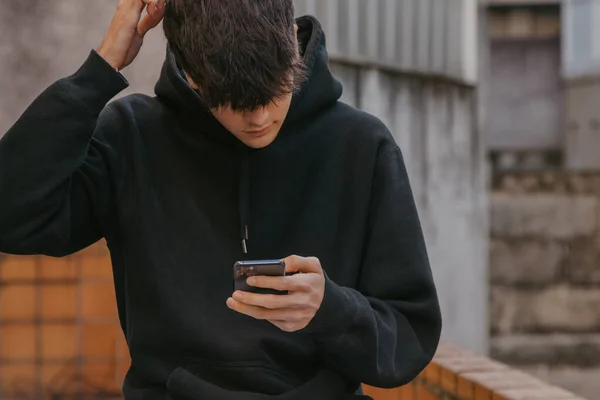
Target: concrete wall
[525, 73]
[544, 259]
[43, 41]
[429, 37]
[433, 120]
[582, 124]
[435, 124]
[581, 69]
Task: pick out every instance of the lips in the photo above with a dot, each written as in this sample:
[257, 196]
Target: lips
[258, 132]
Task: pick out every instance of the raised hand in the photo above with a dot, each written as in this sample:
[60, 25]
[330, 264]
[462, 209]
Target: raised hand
[125, 35]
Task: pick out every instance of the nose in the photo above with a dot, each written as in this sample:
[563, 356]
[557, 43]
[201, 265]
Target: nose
[258, 117]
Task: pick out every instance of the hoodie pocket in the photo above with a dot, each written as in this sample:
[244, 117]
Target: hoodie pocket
[251, 381]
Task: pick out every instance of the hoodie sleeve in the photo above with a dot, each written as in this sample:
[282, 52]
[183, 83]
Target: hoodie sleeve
[386, 332]
[60, 166]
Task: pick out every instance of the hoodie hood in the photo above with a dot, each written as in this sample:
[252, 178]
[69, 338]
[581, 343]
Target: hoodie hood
[320, 90]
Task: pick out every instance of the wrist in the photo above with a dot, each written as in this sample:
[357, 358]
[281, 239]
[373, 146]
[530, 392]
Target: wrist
[338, 310]
[104, 54]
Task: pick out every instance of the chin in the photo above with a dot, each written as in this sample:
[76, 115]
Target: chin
[259, 143]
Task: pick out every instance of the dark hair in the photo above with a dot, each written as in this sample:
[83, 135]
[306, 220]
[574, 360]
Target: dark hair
[241, 53]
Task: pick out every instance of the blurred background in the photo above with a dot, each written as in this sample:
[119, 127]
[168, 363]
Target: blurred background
[495, 105]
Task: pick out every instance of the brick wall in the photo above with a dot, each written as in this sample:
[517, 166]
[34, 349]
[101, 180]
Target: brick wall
[59, 332]
[545, 276]
[457, 374]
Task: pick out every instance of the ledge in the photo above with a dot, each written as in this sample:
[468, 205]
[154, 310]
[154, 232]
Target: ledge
[457, 374]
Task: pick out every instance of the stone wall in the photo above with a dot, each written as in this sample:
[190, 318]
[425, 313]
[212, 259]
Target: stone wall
[545, 275]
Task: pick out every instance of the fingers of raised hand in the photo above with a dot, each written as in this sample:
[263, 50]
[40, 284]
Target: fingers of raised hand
[156, 12]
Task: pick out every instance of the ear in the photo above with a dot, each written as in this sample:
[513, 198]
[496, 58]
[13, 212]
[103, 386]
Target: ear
[191, 81]
[296, 31]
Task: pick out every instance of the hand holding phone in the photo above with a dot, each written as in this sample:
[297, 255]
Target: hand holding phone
[304, 292]
[242, 270]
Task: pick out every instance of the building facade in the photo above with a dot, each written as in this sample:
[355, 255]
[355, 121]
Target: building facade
[543, 139]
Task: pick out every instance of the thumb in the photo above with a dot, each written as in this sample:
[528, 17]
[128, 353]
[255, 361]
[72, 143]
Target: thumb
[295, 264]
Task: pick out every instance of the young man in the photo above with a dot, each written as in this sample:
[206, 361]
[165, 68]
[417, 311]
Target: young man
[245, 153]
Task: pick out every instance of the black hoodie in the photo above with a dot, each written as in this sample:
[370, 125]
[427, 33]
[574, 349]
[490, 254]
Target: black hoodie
[174, 193]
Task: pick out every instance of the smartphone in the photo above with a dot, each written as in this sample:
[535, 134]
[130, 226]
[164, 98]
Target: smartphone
[242, 270]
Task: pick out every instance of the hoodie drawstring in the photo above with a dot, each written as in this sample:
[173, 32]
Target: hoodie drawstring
[244, 201]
